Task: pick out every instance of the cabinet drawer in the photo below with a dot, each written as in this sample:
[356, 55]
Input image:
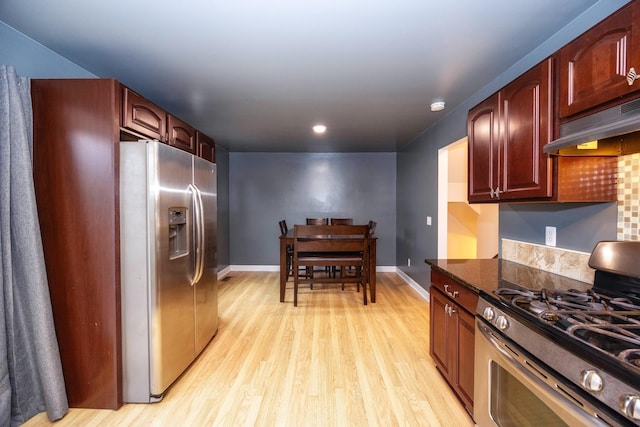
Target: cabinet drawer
[458, 292]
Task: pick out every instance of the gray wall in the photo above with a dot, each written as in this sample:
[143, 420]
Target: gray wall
[33, 60]
[269, 187]
[578, 225]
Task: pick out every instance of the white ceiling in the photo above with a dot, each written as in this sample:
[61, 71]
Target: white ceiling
[256, 75]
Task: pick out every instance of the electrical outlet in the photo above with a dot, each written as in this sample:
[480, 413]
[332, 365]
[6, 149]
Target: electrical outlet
[550, 236]
[408, 262]
[428, 220]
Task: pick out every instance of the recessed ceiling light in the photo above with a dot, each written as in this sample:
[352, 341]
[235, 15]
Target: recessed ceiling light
[437, 106]
[319, 128]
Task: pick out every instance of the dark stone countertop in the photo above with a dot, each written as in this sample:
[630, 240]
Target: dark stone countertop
[487, 275]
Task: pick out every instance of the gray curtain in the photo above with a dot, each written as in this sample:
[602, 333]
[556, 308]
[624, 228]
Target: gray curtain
[31, 378]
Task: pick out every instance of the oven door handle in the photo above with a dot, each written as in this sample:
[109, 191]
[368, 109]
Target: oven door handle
[484, 330]
[526, 369]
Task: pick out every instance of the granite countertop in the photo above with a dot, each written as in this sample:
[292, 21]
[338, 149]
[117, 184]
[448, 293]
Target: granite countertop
[487, 275]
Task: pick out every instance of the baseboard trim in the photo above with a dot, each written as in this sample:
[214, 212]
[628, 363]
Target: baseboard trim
[224, 272]
[413, 284]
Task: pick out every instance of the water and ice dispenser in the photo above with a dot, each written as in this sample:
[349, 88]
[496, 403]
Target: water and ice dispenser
[178, 242]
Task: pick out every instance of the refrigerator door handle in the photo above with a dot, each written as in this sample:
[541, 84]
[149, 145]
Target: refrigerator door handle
[197, 234]
[201, 232]
[198, 208]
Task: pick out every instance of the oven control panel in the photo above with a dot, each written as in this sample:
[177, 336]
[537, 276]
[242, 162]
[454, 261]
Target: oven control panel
[496, 318]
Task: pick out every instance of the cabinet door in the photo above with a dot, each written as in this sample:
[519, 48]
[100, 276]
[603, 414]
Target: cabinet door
[181, 135]
[594, 66]
[142, 116]
[525, 170]
[464, 365]
[484, 136]
[440, 342]
[206, 147]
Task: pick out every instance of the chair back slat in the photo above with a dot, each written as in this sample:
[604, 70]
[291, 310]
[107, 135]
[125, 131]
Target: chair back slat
[344, 238]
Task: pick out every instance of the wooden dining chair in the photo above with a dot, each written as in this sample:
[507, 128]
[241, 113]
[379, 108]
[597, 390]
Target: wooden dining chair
[372, 227]
[341, 221]
[317, 221]
[329, 246]
[289, 261]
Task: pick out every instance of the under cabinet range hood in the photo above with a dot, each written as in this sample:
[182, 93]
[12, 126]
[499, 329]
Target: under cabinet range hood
[611, 132]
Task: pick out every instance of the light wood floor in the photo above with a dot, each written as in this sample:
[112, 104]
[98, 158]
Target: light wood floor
[331, 361]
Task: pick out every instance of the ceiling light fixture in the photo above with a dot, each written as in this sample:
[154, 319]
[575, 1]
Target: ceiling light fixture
[319, 128]
[437, 106]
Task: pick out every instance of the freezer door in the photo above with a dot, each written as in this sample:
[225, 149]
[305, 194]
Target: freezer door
[206, 307]
[171, 310]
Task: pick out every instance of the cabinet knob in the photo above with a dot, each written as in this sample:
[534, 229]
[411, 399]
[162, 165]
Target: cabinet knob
[632, 76]
[630, 405]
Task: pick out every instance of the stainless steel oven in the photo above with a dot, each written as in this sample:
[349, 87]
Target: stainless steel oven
[563, 354]
[513, 389]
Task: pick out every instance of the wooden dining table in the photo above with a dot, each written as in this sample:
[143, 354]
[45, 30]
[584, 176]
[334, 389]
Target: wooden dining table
[287, 239]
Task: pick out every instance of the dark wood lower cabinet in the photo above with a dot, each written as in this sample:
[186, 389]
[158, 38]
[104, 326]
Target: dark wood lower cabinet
[452, 335]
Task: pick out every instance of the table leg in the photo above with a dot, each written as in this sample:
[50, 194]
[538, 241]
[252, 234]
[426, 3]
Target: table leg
[372, 269]
[283, 267]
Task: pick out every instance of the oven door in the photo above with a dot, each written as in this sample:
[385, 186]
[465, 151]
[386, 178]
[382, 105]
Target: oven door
[513, 390]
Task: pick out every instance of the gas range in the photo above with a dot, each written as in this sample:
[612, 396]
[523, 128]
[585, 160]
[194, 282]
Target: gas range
[605, 324]
[589, 338]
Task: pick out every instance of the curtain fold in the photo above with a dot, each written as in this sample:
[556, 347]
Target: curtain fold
[31, 379]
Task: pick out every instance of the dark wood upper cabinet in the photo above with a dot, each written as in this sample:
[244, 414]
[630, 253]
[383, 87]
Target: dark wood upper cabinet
[206, 147]
[507, 133]
[181, 135]
[484, 143]
[143, 117]
[594, 66]
[526, 127]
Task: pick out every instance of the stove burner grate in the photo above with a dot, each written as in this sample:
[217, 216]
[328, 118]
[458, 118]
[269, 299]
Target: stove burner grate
[610, 324]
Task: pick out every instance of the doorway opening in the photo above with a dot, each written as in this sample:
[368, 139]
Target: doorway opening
[465, 231]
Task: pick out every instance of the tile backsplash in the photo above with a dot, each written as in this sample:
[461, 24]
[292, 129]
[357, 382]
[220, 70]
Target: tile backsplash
[564, 262]
[628, 197]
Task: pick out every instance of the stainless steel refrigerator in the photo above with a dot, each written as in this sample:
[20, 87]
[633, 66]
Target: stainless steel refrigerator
[168, 224]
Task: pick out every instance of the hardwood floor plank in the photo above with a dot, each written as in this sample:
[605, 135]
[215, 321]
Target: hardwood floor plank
[331, 361]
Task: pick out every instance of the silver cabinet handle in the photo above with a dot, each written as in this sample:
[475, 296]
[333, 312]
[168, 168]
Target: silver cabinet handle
[632, 76]
[451, 294]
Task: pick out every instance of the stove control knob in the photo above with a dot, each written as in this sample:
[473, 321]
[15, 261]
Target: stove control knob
[502, 323]
[592, 381]
[630, 405]
[488, 313]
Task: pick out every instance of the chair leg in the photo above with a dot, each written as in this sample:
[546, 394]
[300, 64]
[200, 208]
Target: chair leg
[295, 286]
[364, 291]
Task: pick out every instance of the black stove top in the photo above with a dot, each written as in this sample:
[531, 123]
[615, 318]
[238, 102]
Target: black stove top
[609, 324]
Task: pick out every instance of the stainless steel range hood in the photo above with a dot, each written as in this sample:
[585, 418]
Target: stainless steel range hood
[615, 129]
